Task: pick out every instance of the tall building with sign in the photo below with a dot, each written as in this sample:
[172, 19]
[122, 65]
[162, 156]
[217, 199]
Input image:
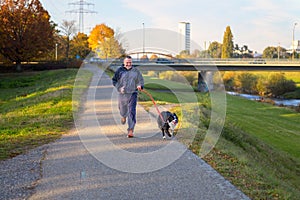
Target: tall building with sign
[184, 29]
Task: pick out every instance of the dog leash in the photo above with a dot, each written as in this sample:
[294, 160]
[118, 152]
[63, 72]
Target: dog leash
[149, 95]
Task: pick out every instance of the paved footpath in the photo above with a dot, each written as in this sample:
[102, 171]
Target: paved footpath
[98, 161]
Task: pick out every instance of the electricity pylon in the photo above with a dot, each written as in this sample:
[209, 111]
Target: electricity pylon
[81, 10]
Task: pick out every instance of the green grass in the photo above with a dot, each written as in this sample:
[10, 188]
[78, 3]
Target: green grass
[258, 150]
[270, 138]
[295, 76]
[278, 127]
[35, 108]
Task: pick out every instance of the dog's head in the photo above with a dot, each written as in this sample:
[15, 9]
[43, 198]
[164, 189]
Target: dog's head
[172, 121]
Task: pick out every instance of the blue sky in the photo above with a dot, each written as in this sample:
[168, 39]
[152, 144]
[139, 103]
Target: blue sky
[256, 23]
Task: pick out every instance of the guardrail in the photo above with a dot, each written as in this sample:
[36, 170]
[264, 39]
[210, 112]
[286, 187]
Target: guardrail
[210, 61]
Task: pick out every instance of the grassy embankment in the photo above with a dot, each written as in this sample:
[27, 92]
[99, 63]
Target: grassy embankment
[36, 108]
[258, 150]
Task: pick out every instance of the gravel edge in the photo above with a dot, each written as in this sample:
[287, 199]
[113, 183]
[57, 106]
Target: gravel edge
[19, 175]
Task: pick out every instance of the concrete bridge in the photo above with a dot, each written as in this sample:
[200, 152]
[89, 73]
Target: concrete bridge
[217, 67]
[207, 67]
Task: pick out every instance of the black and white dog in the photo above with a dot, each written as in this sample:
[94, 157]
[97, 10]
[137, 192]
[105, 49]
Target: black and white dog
[166, 121]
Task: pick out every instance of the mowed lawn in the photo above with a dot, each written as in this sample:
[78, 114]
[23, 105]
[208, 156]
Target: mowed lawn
[278, 127]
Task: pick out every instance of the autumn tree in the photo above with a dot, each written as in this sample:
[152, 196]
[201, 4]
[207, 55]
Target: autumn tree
[25, 30]
[227, 47]
[110, 48]
[104, 41]
[2, 58]
[215, 49]
[99, 34]
[79, 46]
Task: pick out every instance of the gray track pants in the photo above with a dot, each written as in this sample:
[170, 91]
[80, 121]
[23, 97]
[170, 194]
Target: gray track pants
[127, 107]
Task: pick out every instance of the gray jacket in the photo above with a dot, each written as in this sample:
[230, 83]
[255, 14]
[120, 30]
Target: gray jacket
[126, 81]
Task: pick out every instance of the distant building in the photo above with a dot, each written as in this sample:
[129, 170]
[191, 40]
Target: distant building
[184, 29]
[294, 47]
[242, 52]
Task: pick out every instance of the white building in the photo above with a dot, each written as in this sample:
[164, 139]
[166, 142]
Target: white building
[294, 47]
[184, 29]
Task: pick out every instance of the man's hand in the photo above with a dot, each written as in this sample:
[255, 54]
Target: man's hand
[139, 87]
[122, 90]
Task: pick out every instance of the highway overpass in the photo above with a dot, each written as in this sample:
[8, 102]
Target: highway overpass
[206, 68]
[217, 67]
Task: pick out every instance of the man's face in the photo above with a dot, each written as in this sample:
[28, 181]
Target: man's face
[128, 63]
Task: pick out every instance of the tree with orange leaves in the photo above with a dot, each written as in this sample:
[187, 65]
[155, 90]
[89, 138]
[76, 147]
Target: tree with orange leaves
[79, 45]
[25, 30]
[103, 41]
[99, 34]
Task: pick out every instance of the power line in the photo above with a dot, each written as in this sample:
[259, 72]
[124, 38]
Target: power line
[81, 10]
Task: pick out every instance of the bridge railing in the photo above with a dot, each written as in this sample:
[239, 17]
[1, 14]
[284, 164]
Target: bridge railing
[243, 61]
[236, 61]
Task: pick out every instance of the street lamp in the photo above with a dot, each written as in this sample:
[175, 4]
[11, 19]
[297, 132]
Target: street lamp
[56, 51]
[278, 51]
[293, 50]
[143, 39]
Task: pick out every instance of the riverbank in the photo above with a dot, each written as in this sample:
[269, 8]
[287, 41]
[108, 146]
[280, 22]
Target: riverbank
[291, 103]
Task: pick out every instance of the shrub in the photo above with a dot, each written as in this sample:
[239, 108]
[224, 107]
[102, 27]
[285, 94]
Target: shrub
[152, 73]
[275, 84]
[228, 79]
[190, 77]
[278, 85]
[261, 85]
[246, 82]
[172, 76]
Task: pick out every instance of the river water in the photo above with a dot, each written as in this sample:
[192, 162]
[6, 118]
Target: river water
[285, 102]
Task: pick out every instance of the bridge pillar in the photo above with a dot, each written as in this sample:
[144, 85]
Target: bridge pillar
[205, 81]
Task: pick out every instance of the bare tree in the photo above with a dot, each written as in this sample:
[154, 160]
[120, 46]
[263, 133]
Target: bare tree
[68, 29]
